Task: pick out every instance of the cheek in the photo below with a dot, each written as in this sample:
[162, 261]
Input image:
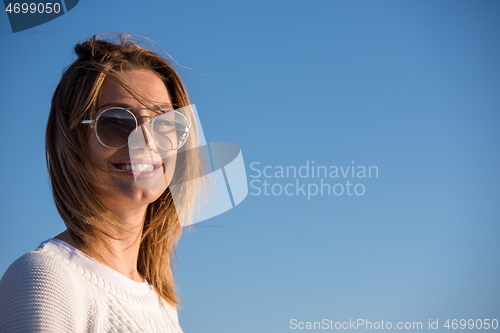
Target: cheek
[169, 162]
[97, 154]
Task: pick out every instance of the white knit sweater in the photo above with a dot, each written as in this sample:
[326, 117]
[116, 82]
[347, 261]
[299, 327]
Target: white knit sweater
[57, 288]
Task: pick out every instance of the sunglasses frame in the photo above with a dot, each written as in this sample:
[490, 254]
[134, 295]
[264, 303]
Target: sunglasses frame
[96, 121]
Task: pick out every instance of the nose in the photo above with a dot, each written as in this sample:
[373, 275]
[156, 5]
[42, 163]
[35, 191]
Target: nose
[144, 122]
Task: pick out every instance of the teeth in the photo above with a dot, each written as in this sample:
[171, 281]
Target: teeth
[136, 167]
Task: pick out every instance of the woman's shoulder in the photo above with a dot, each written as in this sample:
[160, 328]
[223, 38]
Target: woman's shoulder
[39, 266]
[40, 290]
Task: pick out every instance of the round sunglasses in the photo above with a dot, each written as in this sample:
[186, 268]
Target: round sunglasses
[116, 127]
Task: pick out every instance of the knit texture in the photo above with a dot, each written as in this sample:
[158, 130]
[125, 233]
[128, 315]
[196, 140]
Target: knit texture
[57, 288]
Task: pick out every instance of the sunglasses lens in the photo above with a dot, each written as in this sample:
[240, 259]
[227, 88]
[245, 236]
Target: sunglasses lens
[170, 130]
[115, 126]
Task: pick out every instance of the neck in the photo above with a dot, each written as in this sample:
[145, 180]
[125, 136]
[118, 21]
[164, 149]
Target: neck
[126, 246]
[121, 254]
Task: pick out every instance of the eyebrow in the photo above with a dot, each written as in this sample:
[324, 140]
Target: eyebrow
[159, 106]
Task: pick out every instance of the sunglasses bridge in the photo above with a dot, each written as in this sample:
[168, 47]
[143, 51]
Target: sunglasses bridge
[137, 117]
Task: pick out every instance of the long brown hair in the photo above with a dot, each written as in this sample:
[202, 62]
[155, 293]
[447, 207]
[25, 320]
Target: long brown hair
[67, 153]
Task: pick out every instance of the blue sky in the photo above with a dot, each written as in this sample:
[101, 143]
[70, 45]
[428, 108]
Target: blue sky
[408, 86]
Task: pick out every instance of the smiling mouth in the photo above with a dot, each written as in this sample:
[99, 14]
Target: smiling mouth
[137, 167]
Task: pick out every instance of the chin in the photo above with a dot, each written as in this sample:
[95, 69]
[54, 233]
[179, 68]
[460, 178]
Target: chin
[128, 196]
[144, 196]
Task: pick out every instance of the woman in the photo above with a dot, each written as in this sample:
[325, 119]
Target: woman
[113, 145]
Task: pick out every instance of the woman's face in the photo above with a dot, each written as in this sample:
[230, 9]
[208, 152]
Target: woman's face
[141, 154]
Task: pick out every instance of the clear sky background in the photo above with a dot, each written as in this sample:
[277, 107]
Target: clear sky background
[411, 87]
